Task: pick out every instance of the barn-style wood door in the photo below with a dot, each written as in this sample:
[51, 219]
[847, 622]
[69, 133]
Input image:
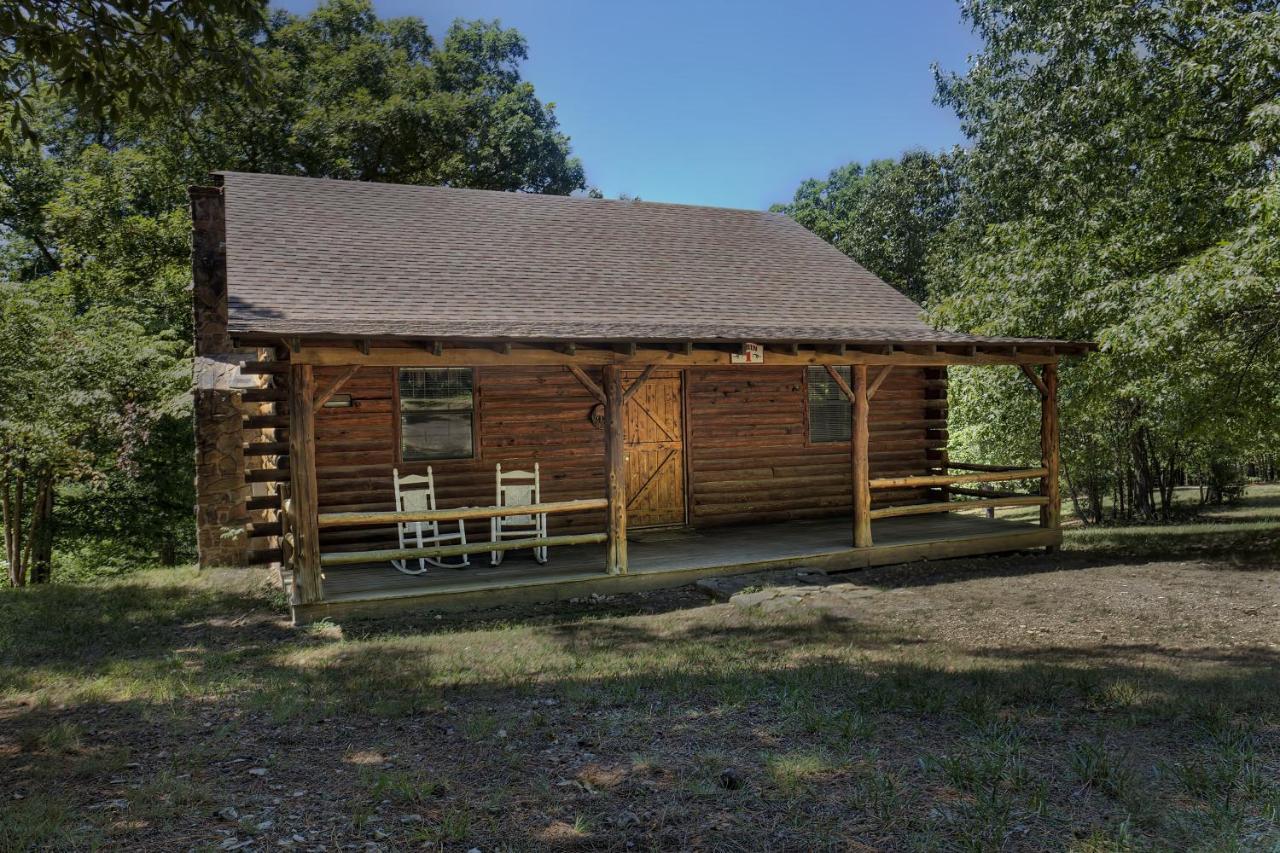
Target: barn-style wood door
[655, 451]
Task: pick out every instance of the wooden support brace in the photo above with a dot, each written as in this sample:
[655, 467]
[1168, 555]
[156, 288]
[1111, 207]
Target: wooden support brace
[583, 378]
[878, 381]
[627, 349]
[1030, 373]
[334, 387]
[840, 383]
[640, 380]
[362, 344]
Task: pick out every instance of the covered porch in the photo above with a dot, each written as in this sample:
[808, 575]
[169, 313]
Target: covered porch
[656, 557]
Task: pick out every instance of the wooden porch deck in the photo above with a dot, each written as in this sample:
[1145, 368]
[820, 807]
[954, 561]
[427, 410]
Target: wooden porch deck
[660, 558]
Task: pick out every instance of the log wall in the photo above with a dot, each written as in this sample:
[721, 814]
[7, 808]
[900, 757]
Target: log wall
[747, 444]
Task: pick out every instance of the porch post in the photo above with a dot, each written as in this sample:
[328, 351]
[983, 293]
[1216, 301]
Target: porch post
[1049, 513]
[615, 471]
[859, 451]
[302, 481]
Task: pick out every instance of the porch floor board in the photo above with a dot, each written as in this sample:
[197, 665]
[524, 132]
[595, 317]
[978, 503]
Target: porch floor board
[664, 551]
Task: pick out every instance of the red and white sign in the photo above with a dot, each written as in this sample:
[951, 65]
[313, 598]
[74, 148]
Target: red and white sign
[750, 354]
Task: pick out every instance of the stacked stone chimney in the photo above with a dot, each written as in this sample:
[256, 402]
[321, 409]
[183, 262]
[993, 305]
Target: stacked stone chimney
[221, 490]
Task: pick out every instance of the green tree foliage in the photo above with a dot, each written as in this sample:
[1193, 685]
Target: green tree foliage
[116, 55]
[885, 215]
[78, 397]
[1121, 186]
[95, 248]
[356, 97]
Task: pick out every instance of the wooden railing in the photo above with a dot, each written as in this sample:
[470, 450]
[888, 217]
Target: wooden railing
[356, 519]
[973, 473]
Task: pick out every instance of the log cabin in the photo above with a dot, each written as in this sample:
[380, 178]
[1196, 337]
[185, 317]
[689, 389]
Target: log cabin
[702, 391]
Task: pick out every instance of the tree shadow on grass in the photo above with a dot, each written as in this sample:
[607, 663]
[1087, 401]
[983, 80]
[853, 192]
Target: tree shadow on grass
[808, 710]
[77, 630]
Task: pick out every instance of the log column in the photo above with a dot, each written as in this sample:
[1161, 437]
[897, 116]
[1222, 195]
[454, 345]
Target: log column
[304, 492]
[1049, 513]
[615, 470]
[860, 443]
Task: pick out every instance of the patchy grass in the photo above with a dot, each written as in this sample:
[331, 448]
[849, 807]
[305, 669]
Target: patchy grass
[1249, 526]
[1093, 700]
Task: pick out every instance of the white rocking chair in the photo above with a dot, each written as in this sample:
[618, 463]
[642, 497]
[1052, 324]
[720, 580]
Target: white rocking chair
[517, 488]
[423, 534]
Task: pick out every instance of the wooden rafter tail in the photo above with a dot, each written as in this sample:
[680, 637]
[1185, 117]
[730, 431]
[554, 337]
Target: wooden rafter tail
[640, 380]
[878, 381]
[840, 383]
[1030, 373]
[594, 389]
[335, 386]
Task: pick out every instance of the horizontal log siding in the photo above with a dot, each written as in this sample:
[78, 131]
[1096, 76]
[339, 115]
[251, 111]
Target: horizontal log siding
[526, 415]
[750, 456]
[747, 444]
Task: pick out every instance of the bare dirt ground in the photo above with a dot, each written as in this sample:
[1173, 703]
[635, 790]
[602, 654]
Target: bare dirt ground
[1084, 700]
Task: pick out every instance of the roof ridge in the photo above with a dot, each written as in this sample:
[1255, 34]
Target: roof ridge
[507, 193]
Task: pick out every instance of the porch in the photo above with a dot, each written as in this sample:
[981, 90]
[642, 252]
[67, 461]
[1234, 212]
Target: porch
[655, 557]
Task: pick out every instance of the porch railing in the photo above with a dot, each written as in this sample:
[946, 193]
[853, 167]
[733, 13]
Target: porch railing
[366, 519]
[971, 473]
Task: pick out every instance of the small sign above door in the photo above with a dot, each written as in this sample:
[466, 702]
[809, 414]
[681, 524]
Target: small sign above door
[750, 354]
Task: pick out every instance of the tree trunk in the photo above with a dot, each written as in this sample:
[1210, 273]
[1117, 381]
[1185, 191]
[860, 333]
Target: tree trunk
[41, 560]
[168, 549]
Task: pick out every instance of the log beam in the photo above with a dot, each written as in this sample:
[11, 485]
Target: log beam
[349, 558]
[304, 490]
[354, 519]
[953, 506]
[629, 355]
[931, 480]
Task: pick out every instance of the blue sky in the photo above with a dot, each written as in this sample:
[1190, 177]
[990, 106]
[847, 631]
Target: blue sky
[727, 103]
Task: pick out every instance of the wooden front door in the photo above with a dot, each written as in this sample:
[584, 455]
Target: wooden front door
[655, 450]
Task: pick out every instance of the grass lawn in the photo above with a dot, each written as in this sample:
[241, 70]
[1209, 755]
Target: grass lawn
[1122, 693]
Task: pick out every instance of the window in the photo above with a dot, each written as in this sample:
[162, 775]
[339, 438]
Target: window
[829, 417]
[436, 410]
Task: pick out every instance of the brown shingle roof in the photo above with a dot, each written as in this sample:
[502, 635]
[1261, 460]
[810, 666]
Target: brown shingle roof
[308, 256]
